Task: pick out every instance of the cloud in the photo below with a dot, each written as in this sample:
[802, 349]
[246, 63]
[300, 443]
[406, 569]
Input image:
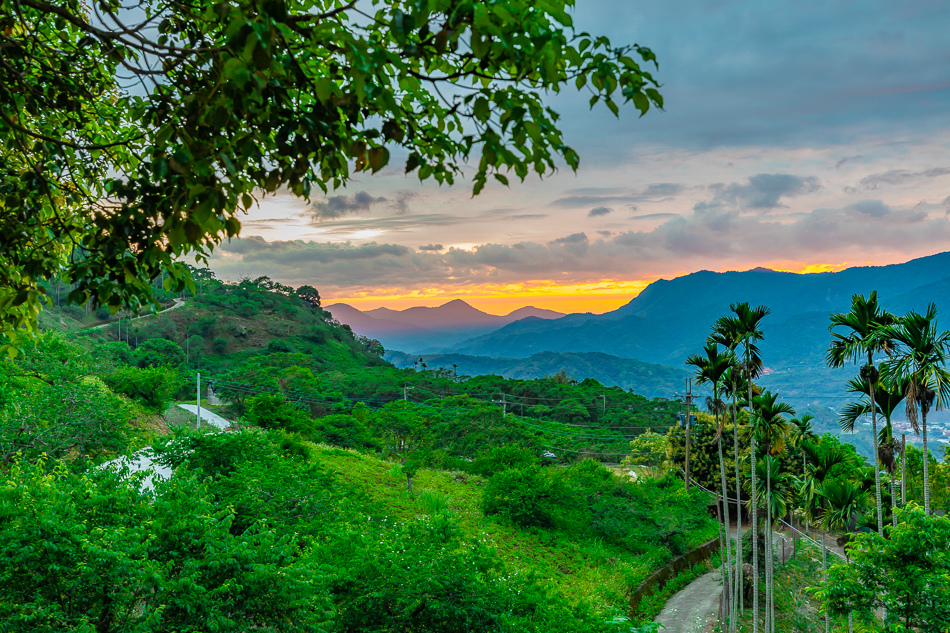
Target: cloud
[529, 216]
[898, 177]
[719, 238]
[857, 158]
[873, 208]
[338, 206]
[574, 238]
[601, 197]
[654, 216]
[762, 191]
[599, 211]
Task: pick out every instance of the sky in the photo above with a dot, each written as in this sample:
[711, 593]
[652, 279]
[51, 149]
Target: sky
[801, 136]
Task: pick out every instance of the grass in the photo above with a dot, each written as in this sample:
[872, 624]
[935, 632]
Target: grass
[598, 573]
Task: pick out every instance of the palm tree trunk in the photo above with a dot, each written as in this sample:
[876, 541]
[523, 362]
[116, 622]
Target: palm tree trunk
[768, 544]
[923, 421]
[877, 465]
[724, 603]
[726, 584]
[739, 576]
[755, 515]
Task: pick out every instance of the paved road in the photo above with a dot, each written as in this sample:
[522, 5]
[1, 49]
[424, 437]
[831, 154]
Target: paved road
[207, 417]
[144, 460]
[139, 462]
[178, 304]
[694, 608]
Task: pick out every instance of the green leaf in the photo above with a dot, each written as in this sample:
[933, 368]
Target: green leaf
[378, 158]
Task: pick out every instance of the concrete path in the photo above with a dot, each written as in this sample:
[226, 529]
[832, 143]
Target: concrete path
[695, 608]
[144, 460]
[178, 304]
[207, 417]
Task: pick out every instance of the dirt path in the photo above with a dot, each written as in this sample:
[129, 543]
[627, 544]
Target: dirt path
[694, 608]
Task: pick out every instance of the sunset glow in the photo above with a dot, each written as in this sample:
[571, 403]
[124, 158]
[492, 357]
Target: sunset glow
[597, 297]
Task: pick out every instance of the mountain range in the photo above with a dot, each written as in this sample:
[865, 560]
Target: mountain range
[647, 379]
[422, 329]
[670, 319]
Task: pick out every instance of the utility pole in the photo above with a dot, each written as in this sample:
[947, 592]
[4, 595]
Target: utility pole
[689, 424]
[199, 400]
[604, 398]
[688, 398]
[405, 391]
[504, 405]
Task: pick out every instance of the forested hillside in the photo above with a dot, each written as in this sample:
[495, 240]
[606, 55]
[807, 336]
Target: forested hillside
[353, 496]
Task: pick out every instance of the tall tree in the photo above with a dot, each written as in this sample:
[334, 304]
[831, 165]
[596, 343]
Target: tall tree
[711, 368]
[919, 357]
[733, 385]
[862, 338]
[743, 326]
[134, 134]
[771, 427]
[801, 432]
[887, 399]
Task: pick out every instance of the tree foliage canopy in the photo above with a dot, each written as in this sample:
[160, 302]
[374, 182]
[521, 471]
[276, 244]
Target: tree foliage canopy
[134, 134]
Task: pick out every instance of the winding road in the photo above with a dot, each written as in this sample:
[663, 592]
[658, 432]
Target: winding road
[695, 608]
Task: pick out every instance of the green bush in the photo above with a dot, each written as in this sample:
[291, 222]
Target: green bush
[502, 458]
[529, 497]
[159, 352]
[152, 387]
[220, 345]
[278, 346]
[273, 412]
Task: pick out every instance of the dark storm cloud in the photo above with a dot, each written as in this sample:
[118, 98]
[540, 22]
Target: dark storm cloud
[599, 211]
[899, 177]
[338, 206]
[431, 247]
[762, 191]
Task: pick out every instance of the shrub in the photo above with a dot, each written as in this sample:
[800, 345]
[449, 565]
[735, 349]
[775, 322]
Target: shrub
[528, 497]
[157, 352]
[501, 458]
[220, 345]
[279, 346]
[150, 386]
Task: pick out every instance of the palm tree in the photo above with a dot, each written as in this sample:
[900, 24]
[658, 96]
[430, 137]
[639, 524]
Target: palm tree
[919, 357]
[888, 398]
[743, 327]
[801, 432]
[772, 428]
[863, 336]
[710, 369]
[734, 386]
[822, 459]
[846, 503]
